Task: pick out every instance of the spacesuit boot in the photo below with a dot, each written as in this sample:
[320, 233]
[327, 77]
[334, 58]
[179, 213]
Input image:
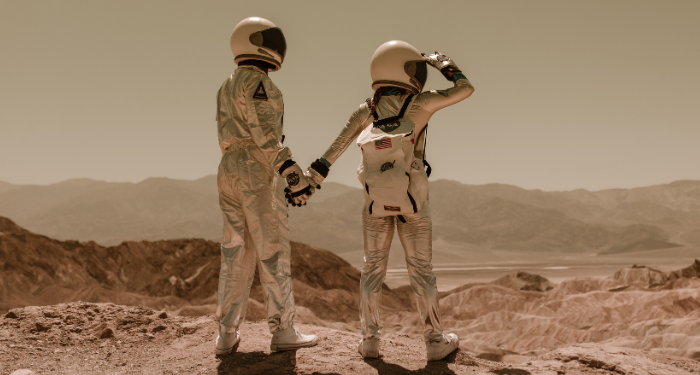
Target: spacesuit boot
[226, 342]
[369, 348]
[290, 339]
[437, 350]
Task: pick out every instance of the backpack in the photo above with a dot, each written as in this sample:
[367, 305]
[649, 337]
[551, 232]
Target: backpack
[393, 178]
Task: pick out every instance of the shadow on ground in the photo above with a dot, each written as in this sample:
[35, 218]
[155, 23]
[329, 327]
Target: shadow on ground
[277, 363]
[432, 368]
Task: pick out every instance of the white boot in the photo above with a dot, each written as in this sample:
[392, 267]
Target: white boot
[369, 348]
[438, 350]
[225, 342]
[290, 338]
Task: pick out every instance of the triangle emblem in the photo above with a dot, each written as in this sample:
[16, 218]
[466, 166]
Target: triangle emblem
[260, 92]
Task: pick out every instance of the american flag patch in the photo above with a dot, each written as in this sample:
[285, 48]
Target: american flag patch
[382, 144]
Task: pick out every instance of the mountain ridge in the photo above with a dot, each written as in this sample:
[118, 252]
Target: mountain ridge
[470, 221]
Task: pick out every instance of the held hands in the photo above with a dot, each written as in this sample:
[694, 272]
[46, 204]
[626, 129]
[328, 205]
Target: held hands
[302, 187]
[298, 189]
[317, 172]
[442, 63]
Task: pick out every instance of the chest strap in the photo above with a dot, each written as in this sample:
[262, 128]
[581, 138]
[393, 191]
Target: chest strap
[389, 120]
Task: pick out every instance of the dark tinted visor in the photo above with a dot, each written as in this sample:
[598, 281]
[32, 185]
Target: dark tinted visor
[272, 38]
[421, 74]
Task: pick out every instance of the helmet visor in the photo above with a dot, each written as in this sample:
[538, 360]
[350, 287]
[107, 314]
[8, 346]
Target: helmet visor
[417, 71]
[421, 74]
[272, 39]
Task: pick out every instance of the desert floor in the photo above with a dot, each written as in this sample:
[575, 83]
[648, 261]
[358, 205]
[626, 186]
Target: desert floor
[136, 340]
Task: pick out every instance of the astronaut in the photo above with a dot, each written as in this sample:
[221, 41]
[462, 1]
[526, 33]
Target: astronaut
[256, 178]
[398, 73]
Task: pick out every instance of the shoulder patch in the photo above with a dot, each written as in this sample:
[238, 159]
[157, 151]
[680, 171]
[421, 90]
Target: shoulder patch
[260, 92]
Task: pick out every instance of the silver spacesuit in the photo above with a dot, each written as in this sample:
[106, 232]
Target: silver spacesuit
[251, 182]
[415, 229]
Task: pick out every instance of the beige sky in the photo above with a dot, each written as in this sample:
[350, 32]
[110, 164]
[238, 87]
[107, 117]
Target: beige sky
[569, 94]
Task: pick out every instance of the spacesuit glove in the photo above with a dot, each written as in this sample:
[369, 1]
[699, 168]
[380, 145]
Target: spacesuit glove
[317, 172]
[442, 63]
[297, 191]
[299, 198]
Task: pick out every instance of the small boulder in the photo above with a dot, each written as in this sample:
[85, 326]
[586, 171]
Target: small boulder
[42, 327]
[12, 315]
[189, 328]
[163, 315]
[107, 333]
[158, 328]
[102, 330]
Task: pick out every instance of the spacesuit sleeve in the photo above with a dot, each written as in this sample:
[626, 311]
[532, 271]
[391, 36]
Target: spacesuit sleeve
[265, 124]
[437, 99]
[357, 122]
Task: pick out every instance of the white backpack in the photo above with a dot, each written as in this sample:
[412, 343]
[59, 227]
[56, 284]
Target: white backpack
[393, 178]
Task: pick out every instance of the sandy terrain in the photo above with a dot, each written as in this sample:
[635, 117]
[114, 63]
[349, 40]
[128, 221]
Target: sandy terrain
[88, 338]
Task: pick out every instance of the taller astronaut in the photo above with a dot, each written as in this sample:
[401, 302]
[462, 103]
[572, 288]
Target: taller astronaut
[390, 128]
[251, 182]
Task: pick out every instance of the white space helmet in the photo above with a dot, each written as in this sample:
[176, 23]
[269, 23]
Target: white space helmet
[256, 38]
[398, 64]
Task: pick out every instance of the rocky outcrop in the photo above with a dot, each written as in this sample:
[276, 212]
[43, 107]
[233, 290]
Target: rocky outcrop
[641, 276]
[525, 281]
[639, 308]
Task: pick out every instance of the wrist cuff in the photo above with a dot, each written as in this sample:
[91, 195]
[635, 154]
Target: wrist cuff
[320, 167]
[458, 76]
[286, 165]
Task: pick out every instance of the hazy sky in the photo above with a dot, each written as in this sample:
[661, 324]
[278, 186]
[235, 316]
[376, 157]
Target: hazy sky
[569, 94]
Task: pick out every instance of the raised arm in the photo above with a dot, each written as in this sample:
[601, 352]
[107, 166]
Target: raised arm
[319, 169]
[438, 99]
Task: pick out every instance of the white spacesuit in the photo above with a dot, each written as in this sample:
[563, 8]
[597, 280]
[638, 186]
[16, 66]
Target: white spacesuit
[399, 73]
[251, 181]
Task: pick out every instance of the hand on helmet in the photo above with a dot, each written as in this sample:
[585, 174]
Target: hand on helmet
[442, 63]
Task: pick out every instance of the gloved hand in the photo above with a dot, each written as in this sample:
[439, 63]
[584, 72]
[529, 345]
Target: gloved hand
[299, 197]
[442, 63]
[317, 172]
[298, 189]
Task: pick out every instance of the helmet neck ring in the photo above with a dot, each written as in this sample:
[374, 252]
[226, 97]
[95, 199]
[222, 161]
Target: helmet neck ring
[247, 57]
[382, 83]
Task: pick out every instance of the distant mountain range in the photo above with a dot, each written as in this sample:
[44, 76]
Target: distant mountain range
[470, 221]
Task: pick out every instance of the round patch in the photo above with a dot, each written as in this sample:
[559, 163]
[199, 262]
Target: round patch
[387, 166]
[293, 179]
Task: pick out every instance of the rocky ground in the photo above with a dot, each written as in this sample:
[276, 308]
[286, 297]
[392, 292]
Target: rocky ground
[103, 338]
